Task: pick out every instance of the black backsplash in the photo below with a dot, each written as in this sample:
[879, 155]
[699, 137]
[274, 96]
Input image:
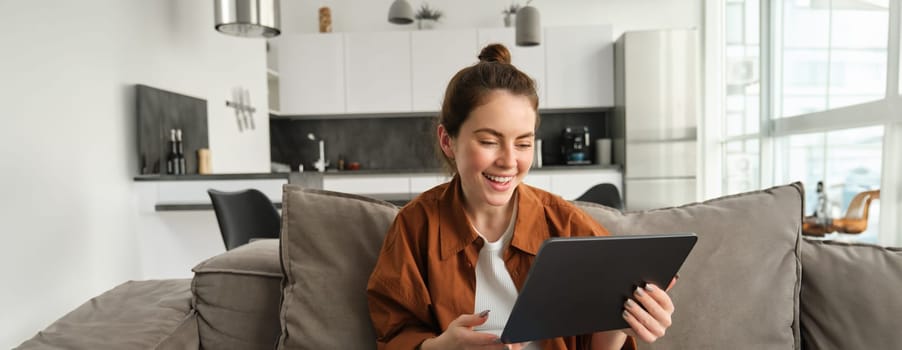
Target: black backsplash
[158, 111]
[399, 143]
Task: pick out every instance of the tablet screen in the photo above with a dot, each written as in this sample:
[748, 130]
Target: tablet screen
[578, 285]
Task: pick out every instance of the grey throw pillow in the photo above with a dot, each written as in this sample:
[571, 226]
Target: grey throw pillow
[739, 288]
[329, 244]
[850, 296]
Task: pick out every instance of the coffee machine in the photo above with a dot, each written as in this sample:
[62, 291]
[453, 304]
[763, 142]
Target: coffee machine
[575, 145]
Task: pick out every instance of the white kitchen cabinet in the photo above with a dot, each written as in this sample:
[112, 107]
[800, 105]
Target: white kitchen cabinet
[311, 74]
[567, 183]
[367, 184]
[579, 66]
[538, 180]
[572, 184]
[195, 192]
[436, 55]
[530, 60]
[378, 72]
[422, 183]
[399, 72]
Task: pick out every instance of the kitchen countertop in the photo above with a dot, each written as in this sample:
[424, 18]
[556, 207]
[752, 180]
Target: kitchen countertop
[207, 177]
[442, 171]
[312, 179]
[333, 172]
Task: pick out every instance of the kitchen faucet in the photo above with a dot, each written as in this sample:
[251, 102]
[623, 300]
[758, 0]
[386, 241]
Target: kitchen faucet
[320, 163]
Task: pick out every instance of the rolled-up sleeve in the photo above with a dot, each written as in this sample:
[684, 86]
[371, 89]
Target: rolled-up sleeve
[397, 295]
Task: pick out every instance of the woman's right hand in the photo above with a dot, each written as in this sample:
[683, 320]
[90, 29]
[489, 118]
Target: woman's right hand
[460, 335]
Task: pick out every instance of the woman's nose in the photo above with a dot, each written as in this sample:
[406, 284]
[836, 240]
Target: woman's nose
[507, 158]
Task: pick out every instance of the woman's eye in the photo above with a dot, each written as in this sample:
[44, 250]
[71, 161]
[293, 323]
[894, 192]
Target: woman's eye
[488, 143]
[525, 145]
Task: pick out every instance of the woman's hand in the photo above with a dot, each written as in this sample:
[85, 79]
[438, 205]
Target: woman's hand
[650, 320]
[460, 335]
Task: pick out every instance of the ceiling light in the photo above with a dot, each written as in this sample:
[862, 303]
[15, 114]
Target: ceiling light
[400, 12]
[248, 18]
[529, 30]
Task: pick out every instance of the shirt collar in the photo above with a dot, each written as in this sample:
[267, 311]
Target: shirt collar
[455, 232]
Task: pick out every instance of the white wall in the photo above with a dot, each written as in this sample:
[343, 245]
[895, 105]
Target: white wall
[624, 15]
[67, 141]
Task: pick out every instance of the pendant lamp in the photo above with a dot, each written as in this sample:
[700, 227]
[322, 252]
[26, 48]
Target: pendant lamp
[400, 12]
[248, 18]
[529, 29]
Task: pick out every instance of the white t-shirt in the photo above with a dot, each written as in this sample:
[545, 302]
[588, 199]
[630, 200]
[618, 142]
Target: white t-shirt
[495, 290]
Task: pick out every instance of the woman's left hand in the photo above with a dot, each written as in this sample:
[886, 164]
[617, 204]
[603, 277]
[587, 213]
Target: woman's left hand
[650, 320]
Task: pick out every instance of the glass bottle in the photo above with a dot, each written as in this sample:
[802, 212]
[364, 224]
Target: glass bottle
[172, 157]
[180, 153]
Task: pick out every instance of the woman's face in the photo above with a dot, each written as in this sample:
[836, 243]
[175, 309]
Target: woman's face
[494, 148]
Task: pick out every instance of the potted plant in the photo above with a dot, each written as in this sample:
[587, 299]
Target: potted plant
[427, 16]
[509, 13]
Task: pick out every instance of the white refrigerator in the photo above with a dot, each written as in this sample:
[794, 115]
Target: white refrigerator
[657, 108]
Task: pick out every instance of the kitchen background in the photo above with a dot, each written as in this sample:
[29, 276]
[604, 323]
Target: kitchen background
[406, 143]
[74, 222]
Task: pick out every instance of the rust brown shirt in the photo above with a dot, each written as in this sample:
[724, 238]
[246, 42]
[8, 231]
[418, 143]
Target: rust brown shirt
[425, 276]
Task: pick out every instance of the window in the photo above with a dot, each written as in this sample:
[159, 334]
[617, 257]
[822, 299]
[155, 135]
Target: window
[742, 63]
[834, 54]
[808, 97]
[847, 161]
[742, 167]
[742, 98]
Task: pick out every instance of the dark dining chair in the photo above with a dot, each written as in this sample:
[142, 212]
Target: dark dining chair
[244, 215]
[605, 194]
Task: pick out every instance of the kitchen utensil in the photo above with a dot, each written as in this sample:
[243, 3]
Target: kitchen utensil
[237, 106]
[248, 110]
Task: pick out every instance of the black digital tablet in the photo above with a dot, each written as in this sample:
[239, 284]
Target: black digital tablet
[579, 285]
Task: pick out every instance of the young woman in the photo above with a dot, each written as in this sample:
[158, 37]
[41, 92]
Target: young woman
[455, 257]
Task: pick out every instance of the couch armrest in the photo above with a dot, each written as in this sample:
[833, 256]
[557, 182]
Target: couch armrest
[237, 296]
[153, 314]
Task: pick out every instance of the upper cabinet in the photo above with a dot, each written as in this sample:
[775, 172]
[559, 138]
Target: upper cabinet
[579, 66]
[311, 74]
[436, 55]
[530, 60]
[378, 72]
[402, 72]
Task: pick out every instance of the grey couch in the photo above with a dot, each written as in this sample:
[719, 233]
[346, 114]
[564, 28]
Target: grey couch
[752, 282]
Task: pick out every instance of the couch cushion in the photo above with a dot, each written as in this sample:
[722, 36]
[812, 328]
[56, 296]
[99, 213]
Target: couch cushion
[850, 296]
[133, 315]
[739, 288]
[330, 242]
[237, 295]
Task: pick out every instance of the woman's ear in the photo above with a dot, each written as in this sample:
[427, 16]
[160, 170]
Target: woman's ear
[446, 142]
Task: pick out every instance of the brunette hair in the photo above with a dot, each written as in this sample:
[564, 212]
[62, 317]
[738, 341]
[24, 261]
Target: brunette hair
[469, 88]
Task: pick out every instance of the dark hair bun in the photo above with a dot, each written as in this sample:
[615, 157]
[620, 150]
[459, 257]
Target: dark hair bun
[495, 53]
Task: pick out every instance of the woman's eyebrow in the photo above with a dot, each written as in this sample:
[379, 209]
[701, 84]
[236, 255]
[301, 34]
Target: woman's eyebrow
[498, 134]
[490, 131]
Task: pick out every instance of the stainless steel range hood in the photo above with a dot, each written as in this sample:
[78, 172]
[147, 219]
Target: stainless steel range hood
[248, 18]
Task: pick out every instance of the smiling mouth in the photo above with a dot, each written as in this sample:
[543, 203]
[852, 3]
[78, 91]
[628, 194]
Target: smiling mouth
[498, 179]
